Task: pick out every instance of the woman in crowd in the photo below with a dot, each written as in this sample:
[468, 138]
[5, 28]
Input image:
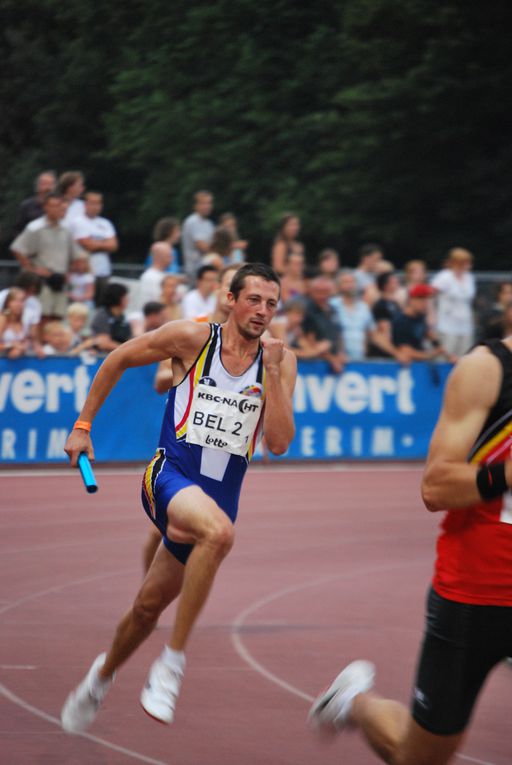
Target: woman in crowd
[455, 289]
[285, 241]
[14, 339]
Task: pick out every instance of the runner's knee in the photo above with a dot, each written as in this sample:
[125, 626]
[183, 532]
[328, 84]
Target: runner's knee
[220, 535]
[148, 605]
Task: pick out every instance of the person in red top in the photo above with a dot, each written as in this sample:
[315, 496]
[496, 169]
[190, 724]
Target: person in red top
[468, 630]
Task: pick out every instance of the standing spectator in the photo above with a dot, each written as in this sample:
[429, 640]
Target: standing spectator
[170, 297]
[71, 186]
[385, 309]
[168, 231]
[14, 340]
[292, 282]
[222, 306]
[200, 302]
[154, 315]
[197, 233]
[151, 279]
[371, 294]
[81, 281]
[32, 207]
[320, 322]
[109, 325]
[493, 324]
[415, 272]
[369, 256]
[329, 263]
[98, 237]
[357, 323]
[239, 252]
[455, 288]
[47, 248]
[288, 328]
[285, 241]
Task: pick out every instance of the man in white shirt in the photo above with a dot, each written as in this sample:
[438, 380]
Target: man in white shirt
[197, 232]
[200, 302]
[98, 237]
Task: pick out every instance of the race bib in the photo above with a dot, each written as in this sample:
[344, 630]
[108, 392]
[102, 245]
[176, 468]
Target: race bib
[222, 419]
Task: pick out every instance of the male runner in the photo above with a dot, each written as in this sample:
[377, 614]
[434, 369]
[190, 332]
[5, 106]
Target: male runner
[469, 612]
[229, 387]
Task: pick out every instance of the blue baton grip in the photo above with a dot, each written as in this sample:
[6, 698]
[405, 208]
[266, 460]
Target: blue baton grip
[87, 474]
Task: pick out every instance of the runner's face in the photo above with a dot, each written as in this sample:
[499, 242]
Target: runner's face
[256, 306]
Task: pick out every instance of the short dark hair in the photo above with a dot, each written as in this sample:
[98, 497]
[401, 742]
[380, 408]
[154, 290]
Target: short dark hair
[114, 293]
[152, 307]
[51, 195]
[367, 249]
[164, 228]
[383, 279]
[253, 269]
[28, 281]
[205, 270]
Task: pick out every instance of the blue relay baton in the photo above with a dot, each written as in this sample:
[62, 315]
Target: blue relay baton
[87, 474]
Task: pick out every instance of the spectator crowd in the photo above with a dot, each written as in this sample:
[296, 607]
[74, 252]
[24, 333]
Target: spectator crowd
[65, 301]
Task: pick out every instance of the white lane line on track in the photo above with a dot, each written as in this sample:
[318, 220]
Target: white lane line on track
[10, 696]
[239, 621]
[51, 719]
[275, 468]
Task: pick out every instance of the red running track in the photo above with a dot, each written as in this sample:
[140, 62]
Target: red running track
[329, 565]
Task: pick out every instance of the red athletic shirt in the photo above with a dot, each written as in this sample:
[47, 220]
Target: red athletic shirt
[474, 549]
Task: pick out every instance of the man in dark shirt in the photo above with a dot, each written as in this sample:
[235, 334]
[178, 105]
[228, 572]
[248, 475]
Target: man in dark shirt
[410, 329]
[385, 310]
[109, 325]
[320, 321]
[32, 207]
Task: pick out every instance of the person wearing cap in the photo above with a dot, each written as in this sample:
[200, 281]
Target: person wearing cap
[455, 289]
[410, 328]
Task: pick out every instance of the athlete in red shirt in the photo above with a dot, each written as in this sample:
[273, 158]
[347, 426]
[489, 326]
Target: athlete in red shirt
[469, 612]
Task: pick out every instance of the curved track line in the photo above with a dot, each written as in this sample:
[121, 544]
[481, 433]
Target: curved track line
[12, 697]
[239, 621]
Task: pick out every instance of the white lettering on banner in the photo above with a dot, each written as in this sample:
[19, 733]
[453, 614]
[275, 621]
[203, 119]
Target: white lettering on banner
[345, 442]
[8, 441]
[32, 443]
[333, 446]
[354, 393]
[307, 442]
[56, 441]
[30, 391]
[383, 442]
[357, 442]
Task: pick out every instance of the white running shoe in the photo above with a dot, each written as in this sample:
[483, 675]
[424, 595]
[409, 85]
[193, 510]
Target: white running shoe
[82, 705]
[160, 693]
[331, 710]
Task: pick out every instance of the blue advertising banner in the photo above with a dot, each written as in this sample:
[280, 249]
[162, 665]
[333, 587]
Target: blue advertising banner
[374, 410]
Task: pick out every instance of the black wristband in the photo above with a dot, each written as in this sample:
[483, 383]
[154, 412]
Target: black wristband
[491, 481]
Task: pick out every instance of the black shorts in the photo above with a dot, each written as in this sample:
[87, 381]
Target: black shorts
[462, 644]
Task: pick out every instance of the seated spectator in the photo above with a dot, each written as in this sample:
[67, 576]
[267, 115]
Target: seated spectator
[97, 236]
[385, 309]
[285, 241]
[154, 315]
[288, 328]
[320, 322]
[171, 298]
[81, 281]
[151, 279]
[14, 339]
[200, 302]
[357, 323]
[221, 247]
[292, 281]
[30, 284]
[369, 256]
[455, 289]
[493, 322]
[239, 251]
[32, 207]
[56, 339]
[329, 263]
[168, 231]
[109, 325]
[77, 318]
[410, 329]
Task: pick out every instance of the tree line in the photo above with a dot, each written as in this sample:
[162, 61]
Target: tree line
[384, 120]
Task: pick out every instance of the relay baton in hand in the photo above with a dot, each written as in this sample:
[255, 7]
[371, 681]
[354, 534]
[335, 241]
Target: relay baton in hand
[87, 474]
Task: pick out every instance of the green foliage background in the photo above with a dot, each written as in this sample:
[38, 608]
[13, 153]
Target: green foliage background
[385, 120]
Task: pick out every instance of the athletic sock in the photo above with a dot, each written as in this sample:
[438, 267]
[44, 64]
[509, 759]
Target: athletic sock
[173, 659]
